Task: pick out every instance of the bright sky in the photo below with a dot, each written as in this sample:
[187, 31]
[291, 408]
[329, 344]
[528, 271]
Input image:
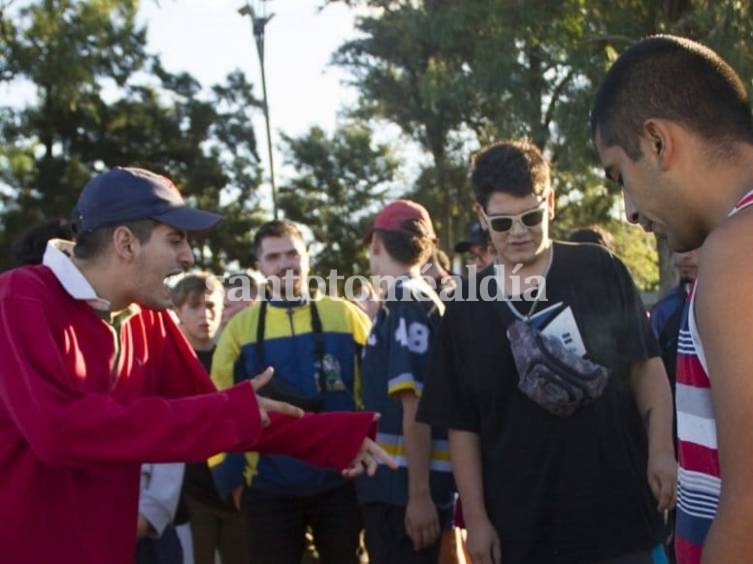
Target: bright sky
[209, 39]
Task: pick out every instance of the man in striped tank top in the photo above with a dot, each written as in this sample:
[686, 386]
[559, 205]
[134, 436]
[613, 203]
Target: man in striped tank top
[673, 126]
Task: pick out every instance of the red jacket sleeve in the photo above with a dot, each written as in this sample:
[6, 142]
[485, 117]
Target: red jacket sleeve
[65, 426]
[327, 440]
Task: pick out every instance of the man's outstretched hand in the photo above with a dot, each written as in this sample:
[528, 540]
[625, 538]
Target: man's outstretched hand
[369, 456]
[368, 459]
[266, 405]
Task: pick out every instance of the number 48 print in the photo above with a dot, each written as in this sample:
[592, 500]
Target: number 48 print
[415, 336]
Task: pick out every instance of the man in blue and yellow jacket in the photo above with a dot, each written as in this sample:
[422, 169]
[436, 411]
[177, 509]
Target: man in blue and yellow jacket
[314, 346]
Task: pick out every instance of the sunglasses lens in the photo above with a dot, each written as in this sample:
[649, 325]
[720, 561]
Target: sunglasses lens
[533, 218]
[501, 223]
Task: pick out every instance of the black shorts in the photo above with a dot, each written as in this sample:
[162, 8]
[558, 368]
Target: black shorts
[387, 541]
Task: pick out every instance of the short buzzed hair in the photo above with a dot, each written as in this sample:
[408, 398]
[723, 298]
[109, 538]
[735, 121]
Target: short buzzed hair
[671, 78]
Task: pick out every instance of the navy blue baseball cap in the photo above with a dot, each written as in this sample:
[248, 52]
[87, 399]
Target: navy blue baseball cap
[130, 194]
[475, 237]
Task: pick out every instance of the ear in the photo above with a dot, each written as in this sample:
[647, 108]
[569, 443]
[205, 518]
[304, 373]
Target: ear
[305, 259]
[125, 243]
[657, 142]
[179, 314]
[481, 217]
[551, 203]
[375, 247]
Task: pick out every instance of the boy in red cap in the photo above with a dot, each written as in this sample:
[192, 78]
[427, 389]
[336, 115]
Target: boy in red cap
[404, 511]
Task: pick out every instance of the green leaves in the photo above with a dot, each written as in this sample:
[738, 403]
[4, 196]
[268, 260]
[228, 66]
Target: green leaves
[101, 100]
[340, 181]
[481, 71]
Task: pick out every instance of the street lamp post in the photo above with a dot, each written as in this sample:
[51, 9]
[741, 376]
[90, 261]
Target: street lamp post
[259, 20]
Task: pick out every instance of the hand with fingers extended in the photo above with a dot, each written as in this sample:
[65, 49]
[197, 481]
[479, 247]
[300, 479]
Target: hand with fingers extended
[662, 478]
[266, 405]
[483, 542]
[368, 459]
[422, 522]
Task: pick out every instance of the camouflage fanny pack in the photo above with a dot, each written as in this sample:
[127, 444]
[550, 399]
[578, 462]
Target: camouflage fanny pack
[555, 378]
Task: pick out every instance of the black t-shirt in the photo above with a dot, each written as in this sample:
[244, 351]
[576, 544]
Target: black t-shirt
[559, 490]
[205, 357]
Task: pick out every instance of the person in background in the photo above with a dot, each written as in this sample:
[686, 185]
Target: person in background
[437, 268]
[592, 234]
[157, 538]
[216, 524]
[477, 248]
[367, 298]
[29, 247]
[241, 291]
[666, 315]
[406, 511]
[314, 344]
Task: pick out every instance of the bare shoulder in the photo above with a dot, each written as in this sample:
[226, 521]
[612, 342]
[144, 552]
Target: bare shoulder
[724, 298]
[727, 253]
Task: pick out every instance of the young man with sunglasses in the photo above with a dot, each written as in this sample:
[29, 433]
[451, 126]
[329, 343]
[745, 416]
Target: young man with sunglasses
[538, 488]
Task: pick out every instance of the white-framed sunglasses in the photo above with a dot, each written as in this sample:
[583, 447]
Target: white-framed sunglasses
[502, 223]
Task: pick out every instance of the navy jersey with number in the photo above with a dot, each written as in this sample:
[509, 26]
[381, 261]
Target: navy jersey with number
[395, 359]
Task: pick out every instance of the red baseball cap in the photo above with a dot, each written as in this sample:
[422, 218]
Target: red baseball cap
[395, 215]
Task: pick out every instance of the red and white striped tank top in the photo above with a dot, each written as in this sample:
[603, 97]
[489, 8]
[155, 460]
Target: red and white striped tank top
[699, 479]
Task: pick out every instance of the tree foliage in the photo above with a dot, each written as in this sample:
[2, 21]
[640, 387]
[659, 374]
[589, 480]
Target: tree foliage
[455, 75]
[341, 179]
[101, 100]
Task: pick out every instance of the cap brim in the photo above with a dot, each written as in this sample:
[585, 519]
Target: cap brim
[189, 219]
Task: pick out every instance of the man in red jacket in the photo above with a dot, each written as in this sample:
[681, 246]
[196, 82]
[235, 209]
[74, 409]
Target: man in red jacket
[95, 378]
